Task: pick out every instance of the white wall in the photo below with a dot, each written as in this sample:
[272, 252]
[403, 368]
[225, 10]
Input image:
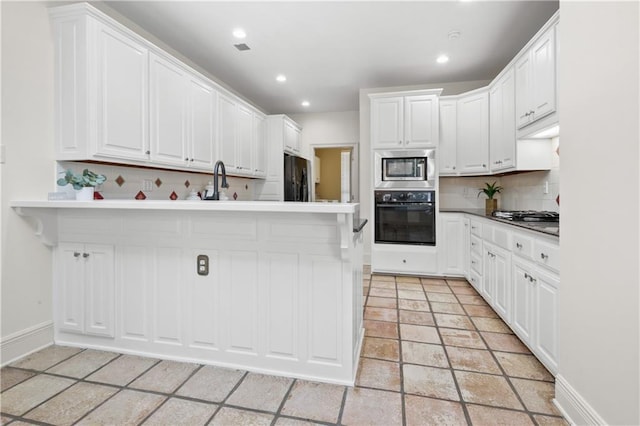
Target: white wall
[27, 133]
[599, 299]
[332, 129]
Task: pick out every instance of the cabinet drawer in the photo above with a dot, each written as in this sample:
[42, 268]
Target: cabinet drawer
[422, 263]
[476, 245]
[476, 228]
[476, 263]
[476, 281]
[522, 246]
[501, 238]
[548, 255]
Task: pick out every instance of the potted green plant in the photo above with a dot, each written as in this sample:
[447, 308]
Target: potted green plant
[84, 184]
[490, 190]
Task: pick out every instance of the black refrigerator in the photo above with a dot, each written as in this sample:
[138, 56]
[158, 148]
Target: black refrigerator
[296, 171]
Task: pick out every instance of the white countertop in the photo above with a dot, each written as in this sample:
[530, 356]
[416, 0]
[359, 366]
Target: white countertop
[224, 206]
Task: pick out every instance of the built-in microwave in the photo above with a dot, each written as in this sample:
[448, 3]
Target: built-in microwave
[410, 169]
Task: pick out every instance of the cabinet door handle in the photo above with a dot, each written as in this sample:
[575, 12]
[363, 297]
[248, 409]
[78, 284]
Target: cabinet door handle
[518, 245]
[191, 159]
[85, 255]
[454, 167]
[544, 256]
[473, 244]
[76, 254]
[148, 152]
[484, 166]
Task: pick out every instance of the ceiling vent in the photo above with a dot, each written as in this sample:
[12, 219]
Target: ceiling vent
[242, 47]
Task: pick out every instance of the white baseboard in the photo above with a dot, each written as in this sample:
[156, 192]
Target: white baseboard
[575, 409]
[25, 342]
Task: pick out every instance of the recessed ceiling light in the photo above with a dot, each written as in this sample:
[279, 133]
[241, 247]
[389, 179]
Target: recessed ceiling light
[305, 103]
[239, 33]
[442, 59]
[281, 78]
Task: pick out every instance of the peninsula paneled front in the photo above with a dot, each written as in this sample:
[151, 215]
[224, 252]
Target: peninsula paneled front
[249, 285]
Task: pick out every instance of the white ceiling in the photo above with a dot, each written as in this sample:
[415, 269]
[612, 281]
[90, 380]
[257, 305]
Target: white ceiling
[329, 50]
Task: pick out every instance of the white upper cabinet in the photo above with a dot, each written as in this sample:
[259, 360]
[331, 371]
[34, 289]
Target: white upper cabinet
[120, 94]
[201, 129]
[259, 159]
[168, 107]
[536, 80]
[502, 129]
[244, 144]
[236, 134]
[473, 132]
[121, 99]
[421, 121]
[291, 138]
[386, 122]
[227, 132]
[448, 158]
[182, 116]
[404, 121]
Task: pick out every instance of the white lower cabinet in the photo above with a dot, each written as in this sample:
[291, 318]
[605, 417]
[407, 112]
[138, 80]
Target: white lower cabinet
[86, 285]
[535, 310]
[451, 255]
[497, 280]
[546, 315]
[516, 271]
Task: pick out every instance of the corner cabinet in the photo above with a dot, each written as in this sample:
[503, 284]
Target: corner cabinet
[448, 159]
[404, 120]
[472, 149]
[85, 288]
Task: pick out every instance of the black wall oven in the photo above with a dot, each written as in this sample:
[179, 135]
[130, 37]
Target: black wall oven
[405, 217]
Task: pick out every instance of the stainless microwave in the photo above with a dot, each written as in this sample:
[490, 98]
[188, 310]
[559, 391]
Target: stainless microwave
[405, 169]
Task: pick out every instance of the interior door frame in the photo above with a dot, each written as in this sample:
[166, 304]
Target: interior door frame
[355, 167]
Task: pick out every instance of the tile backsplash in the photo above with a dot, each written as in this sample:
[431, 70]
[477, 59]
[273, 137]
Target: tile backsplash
[125, 182]
[522, 191]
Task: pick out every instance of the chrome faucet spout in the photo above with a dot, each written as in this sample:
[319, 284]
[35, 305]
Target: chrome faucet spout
[216, 170]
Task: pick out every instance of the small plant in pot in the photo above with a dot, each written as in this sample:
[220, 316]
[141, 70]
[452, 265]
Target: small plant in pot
[84, 183]
[490, 190]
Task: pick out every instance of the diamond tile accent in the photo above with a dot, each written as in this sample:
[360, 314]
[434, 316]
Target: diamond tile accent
[173, 196]
[235, 195]
[187, 183]
[140, 196]
[119, 180]
[158, 182]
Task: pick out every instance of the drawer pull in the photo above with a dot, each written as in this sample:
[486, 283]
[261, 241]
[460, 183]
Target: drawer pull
[544, 256]
[76, 254]
[85, 255]
[518, 245]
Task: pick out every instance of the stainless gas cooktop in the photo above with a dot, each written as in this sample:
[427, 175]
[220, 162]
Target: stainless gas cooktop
[527, 215]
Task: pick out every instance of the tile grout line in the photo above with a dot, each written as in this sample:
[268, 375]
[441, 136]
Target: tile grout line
[284, 401]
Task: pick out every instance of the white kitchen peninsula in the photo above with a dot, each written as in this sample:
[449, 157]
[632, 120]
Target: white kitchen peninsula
[265, 286]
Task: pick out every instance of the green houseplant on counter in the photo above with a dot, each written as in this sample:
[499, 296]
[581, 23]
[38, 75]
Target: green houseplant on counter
[84, 184]
[490, 190]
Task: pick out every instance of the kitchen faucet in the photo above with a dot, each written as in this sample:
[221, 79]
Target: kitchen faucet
[216, 193]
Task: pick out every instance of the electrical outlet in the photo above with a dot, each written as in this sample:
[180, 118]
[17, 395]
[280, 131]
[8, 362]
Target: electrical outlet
[147, 185]
[545, 187]
[202, 265]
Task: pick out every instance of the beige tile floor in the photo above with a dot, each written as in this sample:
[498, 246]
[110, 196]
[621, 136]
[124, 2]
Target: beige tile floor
[434, 353]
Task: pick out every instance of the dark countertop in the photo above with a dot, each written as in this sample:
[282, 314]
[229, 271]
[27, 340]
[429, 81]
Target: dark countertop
[548, 228]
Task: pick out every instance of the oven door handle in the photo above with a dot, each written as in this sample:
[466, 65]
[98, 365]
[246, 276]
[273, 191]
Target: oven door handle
[393, 205]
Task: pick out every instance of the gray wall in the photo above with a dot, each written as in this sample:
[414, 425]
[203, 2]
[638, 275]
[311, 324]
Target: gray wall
[599, 309]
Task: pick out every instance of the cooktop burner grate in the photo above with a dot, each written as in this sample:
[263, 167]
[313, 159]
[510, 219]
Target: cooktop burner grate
[527, 215]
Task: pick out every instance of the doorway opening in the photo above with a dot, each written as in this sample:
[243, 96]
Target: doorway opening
[335, 173]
